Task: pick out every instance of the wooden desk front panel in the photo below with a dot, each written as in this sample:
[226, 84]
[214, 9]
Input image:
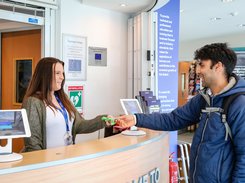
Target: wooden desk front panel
[119, 167]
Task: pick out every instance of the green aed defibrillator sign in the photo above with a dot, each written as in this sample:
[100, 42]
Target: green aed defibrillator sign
[76, 96]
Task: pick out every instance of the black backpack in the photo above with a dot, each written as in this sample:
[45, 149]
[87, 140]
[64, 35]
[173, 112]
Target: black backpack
[225, 109]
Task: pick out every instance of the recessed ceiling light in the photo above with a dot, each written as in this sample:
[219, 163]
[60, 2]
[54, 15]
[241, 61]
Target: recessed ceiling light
[241, 25]
[123, 5]
[215, 18]
[226, 1]
[234, 13]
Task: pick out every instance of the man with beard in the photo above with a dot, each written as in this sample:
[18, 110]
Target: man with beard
[215, 156]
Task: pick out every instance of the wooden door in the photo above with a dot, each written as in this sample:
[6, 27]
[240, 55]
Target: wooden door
[17, 47]
[183, 81]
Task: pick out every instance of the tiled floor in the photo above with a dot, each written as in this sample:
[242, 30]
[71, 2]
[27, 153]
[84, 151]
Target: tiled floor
[185, 137]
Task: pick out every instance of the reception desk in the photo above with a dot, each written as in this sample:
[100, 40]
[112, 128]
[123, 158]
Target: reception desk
[115, 159]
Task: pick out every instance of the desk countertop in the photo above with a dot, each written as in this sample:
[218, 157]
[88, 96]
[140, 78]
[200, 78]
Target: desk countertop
[79, 152]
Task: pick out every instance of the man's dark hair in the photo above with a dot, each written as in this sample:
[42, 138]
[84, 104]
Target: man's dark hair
[218, 52]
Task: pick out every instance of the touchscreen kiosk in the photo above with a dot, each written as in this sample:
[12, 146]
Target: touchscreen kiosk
[131, 106]
[13, 124]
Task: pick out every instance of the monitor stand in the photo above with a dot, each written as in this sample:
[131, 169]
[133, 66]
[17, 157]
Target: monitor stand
[6, 154]
[133, 131]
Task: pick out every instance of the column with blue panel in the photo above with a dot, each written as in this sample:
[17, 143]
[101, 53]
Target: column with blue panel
[167, 61]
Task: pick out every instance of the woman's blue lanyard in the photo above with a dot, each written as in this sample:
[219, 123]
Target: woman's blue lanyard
[63, 112]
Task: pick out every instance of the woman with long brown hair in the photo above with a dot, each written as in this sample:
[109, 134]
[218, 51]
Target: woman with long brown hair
[53, 119]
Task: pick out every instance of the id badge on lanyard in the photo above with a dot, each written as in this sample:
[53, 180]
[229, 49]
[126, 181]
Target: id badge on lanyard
[67, 136]
[67, 139]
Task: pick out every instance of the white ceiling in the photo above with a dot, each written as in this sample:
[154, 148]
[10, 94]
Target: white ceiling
[196, 23]
[132, 6]
[195, 20]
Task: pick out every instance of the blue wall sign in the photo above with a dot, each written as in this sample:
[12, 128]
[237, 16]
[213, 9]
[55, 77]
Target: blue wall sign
[167, 61]
[33, 20]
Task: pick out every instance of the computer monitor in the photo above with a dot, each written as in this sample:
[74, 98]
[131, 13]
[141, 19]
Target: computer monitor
[13, 124]
[130, 106]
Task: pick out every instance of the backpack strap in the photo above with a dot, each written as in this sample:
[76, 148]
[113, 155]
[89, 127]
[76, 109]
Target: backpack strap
[225, 106]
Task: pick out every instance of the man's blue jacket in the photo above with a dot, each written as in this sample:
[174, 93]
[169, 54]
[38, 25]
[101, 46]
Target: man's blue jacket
[213, 159]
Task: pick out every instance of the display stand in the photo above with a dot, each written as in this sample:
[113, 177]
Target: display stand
[6, 154]
[133, 132]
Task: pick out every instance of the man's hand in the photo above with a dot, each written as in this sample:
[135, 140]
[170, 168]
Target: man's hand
[125, 121]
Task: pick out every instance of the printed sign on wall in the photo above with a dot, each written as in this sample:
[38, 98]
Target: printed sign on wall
[97, 56]
[75, 94]
[167, 66]
[75, 56]
[240, 66]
